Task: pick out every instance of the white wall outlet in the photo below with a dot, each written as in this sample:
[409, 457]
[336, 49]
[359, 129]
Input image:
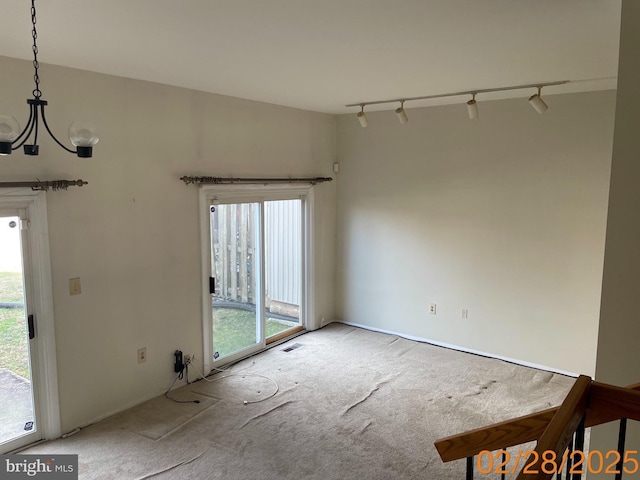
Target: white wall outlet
[142, 355]
[432, 308]
[74, 286]
[187, 359]
[465, 314]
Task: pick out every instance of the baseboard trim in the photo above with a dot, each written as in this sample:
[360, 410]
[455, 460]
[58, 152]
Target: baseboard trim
[365, 327]
[461, 349]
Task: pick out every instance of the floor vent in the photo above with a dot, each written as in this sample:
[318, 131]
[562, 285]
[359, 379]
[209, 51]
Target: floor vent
[292, 347]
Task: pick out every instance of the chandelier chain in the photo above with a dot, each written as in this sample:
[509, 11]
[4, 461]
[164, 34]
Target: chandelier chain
[36, 77]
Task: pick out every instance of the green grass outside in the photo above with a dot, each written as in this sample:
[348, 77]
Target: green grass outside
[14, 348]
[11, 287]
[234, 329]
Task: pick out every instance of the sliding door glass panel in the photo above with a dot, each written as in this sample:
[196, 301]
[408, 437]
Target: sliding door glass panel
[235, 253]
[283, 264]
[17, 414]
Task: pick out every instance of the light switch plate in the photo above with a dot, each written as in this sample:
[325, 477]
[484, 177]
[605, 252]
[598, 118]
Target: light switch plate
[74, 286]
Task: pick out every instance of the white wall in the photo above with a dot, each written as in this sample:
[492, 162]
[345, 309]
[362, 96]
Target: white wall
[132, 234]
[619, 334]
[503, 215]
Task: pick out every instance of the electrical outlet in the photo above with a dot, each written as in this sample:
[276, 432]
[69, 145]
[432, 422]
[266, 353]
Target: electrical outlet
[142, 355]
[432, 308]
[187, 359]
[465, 314]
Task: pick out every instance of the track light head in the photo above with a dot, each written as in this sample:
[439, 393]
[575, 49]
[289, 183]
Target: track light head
[402, 115]
[537, 102]
[472, 107]
[362, 118]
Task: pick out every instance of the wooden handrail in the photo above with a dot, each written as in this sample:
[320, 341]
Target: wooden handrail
[614, 403]
[530, 427]
[493, 437]
[561, 428]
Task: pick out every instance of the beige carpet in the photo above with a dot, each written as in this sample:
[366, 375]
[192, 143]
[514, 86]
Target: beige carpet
[351, 404]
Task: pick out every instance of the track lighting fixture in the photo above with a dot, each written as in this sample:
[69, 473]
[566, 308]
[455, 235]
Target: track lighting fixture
[537, 102]
[472, 107]
[81, 134]
[402, 115]
[362, 118]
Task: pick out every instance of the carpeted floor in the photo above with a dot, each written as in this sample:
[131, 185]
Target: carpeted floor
[351, 404]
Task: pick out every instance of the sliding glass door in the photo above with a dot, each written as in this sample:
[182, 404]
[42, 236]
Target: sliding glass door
[283, 265]
[18, 407]
[236, 300]
[256, 286]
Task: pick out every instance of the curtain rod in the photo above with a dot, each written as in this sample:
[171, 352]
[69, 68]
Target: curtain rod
[250, 181]
[44, 185]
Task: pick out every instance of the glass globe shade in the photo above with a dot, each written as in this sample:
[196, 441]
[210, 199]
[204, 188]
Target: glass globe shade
[83, 134]
[9, 128]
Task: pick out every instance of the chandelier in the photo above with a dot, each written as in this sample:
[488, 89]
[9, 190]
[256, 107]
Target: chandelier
[82, 134]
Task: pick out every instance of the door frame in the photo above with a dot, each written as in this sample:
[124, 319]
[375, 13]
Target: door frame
[44, 371]
[246, 194]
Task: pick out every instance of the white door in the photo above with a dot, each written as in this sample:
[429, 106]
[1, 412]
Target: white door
[28, 381]
[17, 330]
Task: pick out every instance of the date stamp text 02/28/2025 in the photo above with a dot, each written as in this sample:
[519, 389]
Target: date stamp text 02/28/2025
[578, 462]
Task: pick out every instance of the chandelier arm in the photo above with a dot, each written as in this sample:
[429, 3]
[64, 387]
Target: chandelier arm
[26, 127]
[32, 122]
[44, 120]
[36, 124]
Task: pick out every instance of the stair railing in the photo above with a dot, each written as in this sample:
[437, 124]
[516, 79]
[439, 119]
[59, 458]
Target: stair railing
[559, 433]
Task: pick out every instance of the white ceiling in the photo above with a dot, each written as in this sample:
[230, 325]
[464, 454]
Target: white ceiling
[322, 54]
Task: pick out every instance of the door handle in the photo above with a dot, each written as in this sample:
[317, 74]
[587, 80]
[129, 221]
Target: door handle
[31, 325]
[212, 285]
